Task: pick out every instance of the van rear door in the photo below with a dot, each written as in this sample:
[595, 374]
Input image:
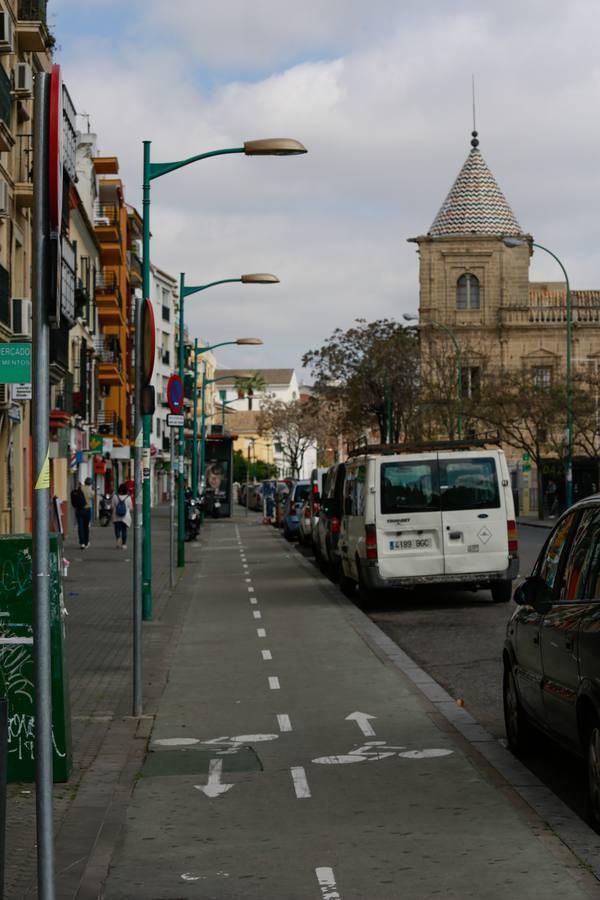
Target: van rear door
[408, 516]
[474, 512]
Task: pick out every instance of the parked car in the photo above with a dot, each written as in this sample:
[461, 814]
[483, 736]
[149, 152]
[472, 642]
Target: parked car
[310, 511]
[552, 647]
[242, 494]
[255, 497]
[281, 494]
[441, 516]
[299, 492]
[326, 533]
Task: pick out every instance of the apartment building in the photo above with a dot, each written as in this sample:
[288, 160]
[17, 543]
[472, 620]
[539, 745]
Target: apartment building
[164, 297]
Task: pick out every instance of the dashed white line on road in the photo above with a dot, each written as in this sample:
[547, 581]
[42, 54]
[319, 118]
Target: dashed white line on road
[283, 720]
[261, 632]
[248, 579]
[256, 614]
[274, 683]
[266, 655]
[253, 600]
[300, 783]
[326, 880]
[250, 590]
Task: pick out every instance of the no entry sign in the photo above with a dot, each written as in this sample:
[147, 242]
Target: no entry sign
[175, 394]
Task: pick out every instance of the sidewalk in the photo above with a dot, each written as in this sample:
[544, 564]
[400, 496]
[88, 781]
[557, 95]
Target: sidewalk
[105, 738]
[292, 758]
[534, 522]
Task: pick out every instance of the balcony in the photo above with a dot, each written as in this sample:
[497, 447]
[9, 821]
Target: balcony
[62, 410]
[109, 424]
[550, 308]
[7, 140]
[108, 299]
[108, 231]
[32, 31]
[110, 363]
[23, 170]
[135, 269]
[4, 297]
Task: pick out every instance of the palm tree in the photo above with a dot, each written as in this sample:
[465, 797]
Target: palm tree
[249, 385]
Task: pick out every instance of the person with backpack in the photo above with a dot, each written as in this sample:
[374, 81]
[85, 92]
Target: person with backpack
[81, 501]
[122, 508]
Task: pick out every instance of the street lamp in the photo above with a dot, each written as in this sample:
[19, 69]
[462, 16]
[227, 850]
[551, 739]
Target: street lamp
[142, 534]
[187, 291]
[410, 317]
[517, 242]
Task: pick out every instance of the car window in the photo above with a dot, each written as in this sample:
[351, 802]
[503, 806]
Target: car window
[582, 577]
[409, 487]
[550, 561]
[469, 483]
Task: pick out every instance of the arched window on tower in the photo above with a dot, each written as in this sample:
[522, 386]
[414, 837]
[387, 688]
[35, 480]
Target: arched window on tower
[467, 292]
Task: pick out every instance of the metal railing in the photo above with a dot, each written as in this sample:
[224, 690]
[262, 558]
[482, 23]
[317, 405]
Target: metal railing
[4, 295]
[23, 159]
[107, 282]
[32, 10]
[134, 264]
[109, 423]
[5, 97]
[106, 214]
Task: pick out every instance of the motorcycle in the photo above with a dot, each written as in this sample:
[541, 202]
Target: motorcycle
[211, 503]
[192, 519]
[105, 510]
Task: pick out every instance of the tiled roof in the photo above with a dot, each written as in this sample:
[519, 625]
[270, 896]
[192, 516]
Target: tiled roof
[270, 376]
[475, 204]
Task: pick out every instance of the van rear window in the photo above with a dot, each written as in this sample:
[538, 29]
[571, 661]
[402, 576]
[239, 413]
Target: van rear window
[469, 483]
[301, 493]
[409, 487]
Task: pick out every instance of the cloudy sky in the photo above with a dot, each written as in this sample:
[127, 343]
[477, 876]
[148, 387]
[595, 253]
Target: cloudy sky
[380, 94]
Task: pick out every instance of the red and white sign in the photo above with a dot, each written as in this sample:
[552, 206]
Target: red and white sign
[175, 394]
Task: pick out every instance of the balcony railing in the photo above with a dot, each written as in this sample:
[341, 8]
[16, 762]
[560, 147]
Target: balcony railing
[109, 423]
[106, 214]
[32, 10]
[24, 159]
[107, 282]
[5, 97]
[135, 266]
[4, 297]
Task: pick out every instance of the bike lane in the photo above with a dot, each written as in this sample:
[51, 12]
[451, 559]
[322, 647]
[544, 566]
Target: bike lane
[289, 759]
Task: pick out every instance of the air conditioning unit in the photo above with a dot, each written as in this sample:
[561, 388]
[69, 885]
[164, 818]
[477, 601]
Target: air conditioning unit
[6, 32]
[5, 398]
[21, 316]
[4, 198]
[137, 248]
[23, 79]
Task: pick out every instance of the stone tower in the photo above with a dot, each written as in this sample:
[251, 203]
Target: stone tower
[468, 277]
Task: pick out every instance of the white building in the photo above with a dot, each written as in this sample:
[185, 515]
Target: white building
[164, 296]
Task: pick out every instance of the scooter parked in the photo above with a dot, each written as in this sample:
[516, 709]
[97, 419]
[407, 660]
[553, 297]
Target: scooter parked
[192, 518]
[105, 510]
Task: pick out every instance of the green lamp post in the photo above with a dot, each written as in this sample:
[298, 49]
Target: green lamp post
[142, 548]
[517, 242]
[410, 317]
[187, 291]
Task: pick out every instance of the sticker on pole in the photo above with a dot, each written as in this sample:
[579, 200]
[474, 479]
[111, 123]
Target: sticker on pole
[175, 394]
[174, 420]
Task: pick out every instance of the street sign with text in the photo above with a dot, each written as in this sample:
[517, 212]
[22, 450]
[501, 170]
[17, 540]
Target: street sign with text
[175, 421]
[15, 363]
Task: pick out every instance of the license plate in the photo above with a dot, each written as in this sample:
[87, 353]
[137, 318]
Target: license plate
[411, 544]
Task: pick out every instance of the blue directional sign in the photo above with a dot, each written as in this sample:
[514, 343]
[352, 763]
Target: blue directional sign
[175, 394]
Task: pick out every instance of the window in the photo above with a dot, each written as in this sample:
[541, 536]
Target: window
[469, 484]
[470, 381]
[550, 563]
[582, 571]
[467, 292]
[542, 376]
[409, 487]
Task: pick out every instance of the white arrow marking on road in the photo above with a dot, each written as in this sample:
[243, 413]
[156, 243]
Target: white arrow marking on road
[362, 720]
[326, 880]
[214, 788]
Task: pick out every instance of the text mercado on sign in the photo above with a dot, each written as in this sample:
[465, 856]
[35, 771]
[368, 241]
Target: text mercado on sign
[15, 363]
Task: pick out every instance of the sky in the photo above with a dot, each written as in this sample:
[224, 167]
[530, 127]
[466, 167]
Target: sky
[380, 94]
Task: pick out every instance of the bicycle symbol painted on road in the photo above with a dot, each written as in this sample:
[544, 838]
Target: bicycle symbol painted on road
[372, 751]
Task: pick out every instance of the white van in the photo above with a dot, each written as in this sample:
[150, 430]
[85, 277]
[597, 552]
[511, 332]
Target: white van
[441, 516]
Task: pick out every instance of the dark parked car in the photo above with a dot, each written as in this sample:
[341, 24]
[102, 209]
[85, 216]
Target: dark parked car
[552, 648]
[299, 492]
[326, 533]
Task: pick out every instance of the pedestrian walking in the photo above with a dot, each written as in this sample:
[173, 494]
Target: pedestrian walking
[121, 515]
[81, 501]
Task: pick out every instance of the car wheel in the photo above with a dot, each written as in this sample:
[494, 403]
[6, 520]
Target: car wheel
[501, 591]
[518, 727]
[347, 585]
[593, 774]
[366, 595]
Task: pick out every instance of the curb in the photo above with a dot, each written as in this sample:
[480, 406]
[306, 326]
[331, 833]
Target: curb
[536, 524]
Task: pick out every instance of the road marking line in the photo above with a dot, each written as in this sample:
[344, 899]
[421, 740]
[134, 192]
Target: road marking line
[266, 655]
[250, 590]
[326, 880]
[274, 683]
[261, 632]
[283, 720]
[248, 579]
[256, 614]
[300, 783]
[253, 600]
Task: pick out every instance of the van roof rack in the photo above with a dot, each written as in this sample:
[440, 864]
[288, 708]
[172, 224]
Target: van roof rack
[475, 443]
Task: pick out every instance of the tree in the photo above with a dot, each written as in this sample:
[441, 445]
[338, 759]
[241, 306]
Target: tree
[292, 426]
[259, 469]
[372, 370]
[249, 385]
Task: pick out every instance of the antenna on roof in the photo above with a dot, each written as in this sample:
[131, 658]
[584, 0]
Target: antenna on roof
[474, 141]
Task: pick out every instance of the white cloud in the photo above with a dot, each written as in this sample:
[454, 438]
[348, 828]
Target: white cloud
[381, 97]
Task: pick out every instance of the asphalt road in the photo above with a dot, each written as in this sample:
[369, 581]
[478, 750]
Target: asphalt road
[457, 637]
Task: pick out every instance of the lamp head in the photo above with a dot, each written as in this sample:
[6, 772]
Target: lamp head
[274, 147]
[260, 278]
[511, 242]
[410, 317]
[251, 341]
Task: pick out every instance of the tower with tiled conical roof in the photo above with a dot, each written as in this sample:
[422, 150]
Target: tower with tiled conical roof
[467, 274]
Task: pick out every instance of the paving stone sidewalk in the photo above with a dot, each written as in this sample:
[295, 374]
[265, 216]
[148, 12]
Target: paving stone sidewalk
[105, 745]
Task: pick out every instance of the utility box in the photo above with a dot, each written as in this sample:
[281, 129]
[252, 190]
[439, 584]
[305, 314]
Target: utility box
[17, 682]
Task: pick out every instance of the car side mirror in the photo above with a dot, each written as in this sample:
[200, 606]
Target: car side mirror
[534, 592]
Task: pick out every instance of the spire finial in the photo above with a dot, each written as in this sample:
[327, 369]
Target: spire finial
[474, 140]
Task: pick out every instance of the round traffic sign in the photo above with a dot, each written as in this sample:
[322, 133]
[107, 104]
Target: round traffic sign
[175, 394]
[148, 341]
